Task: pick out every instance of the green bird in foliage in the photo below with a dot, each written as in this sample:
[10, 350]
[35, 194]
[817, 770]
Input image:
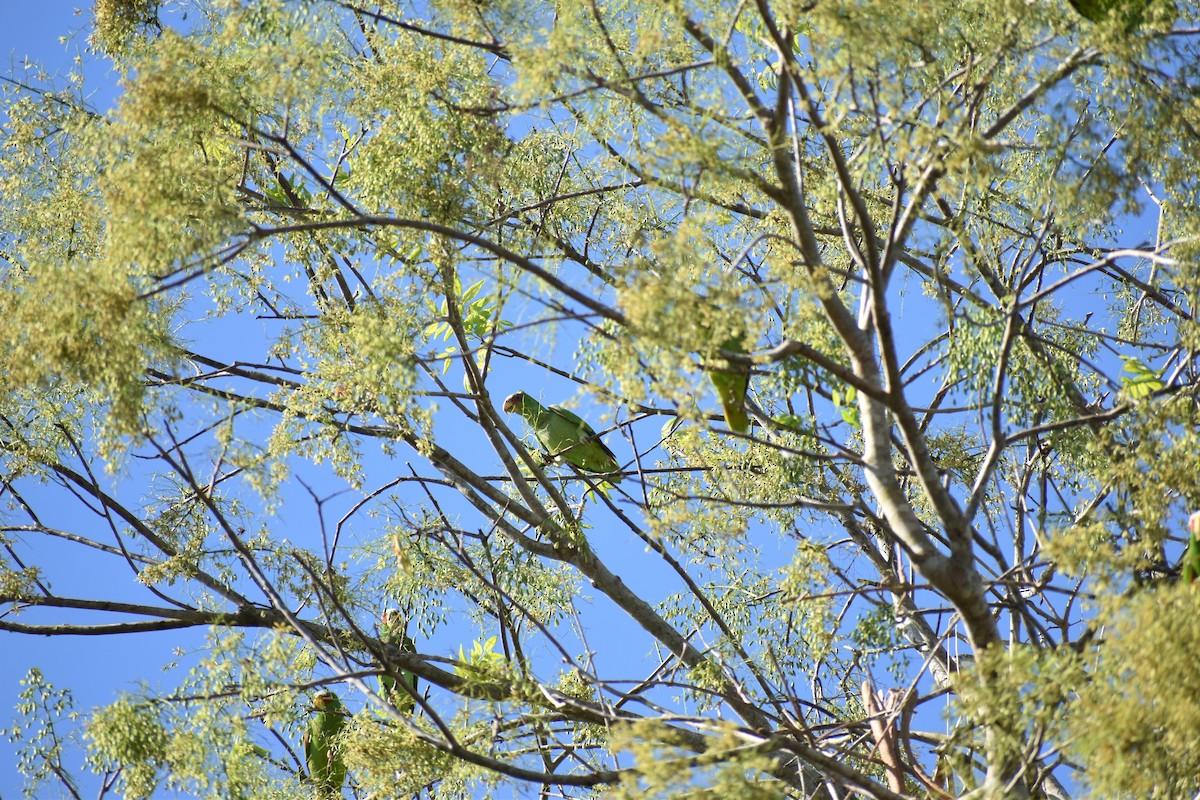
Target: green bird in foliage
[732, 381]
[1191, 557]
[325, 765]
[1130, 12]
[393, 633]
[565, 436]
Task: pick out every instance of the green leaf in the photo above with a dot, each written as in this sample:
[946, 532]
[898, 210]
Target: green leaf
[846, 404]
[1141, 381]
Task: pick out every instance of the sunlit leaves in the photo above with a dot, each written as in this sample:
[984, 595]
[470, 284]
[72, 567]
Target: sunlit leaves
[169, 187]
[100, 338]
[1135, 720]
[120, 24]
[422, 155]
[1021, 690]
[1139, 381]
[43, 731]
[846, 406]
[1151, 478]
[390, 760]
[129, 734]
[732, 767]
[479, 318]
[482, 660]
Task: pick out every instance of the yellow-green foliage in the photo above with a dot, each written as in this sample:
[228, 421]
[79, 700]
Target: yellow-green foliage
[117, 22]
[1158, 449]
[203, 740]
[38, 731]
[574, 683]
[426, 578]
[389, 760]
[666, 765]
[40, 434]
[361, 362]
[16, 583]
[1019, 694]
[483, 663]
[807, 608]
[82, 321]
[1134, 724]
[169, 188]
[421, 159]
[67, 310]
[129, 734]
[678, 325]
[647, 37]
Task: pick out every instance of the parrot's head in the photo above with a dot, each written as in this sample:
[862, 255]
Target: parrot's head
[326, 701]
[392, 620]
[514, 401]
[1193, 521]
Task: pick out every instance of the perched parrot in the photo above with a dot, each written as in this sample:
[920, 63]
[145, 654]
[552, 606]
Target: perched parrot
[731, 382]
[565, 436]
[393, 633]
[1191, 557]
[325, 765]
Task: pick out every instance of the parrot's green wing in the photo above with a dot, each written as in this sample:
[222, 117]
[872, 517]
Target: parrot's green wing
[325, 765]
[570, 437]
[393, 633]
[732, 381]
[1191, 561]
[1129, 12]
[1091, 10]
[565, 435]
[1191, 557]
[574, 419]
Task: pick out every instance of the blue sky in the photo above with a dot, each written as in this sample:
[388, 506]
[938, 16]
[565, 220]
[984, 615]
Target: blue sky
[31, 32]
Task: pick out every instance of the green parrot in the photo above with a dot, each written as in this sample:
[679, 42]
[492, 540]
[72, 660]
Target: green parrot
[393, 633]
[1191, 557]
[565, 436]
[325, 765]
[731, 382]
[1131, 12]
